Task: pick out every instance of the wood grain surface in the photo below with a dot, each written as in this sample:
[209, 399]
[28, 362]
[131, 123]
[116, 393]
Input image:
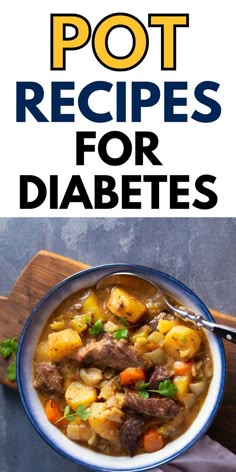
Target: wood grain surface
[44, 271]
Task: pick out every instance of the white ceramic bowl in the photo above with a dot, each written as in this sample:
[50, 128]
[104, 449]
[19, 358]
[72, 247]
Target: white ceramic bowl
[78, 453]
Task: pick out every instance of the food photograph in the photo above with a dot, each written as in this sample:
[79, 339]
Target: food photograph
[117, 237]
[117, 344]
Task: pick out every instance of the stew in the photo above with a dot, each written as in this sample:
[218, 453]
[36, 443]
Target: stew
[115, 371]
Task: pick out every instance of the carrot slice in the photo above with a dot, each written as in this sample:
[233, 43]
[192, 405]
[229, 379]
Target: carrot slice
[182, 368]
[152, 440]
[131, 375]
[54, 413]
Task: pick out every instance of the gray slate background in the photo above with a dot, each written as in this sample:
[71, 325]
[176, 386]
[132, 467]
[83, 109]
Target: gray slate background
[199, 252]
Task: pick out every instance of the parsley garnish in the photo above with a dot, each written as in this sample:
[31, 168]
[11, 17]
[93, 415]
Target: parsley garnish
[124, 321]
[68, 414]
[142, 385]
[143, 394]
[142, 389]
[184, 339]
[166, 389]
[11, 371]
[8, 346]
[121, 333]
[89, 320]
[83, 412]
[96, 329]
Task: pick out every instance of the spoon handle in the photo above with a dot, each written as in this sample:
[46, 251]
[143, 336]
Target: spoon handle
[223, 331]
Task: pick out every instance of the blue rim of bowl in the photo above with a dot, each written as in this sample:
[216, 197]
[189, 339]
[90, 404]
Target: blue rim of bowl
[84, 273]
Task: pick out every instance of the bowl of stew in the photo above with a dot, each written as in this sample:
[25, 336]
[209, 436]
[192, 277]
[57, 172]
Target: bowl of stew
[111, 379]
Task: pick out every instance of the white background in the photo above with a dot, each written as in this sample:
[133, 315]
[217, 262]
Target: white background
[205, 51]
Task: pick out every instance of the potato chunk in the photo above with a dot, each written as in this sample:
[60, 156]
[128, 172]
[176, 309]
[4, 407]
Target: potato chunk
[182, 342]
[78, 394]
[182, 383]
[165, 325]
[79, 323]
[41, 352]
[63, 343]
[91, 376]
[103, 421]
[108, 388]
[92, 307]
[79, 432]
[122, 303]
[141, 332]
[156, 338]
[58, 324]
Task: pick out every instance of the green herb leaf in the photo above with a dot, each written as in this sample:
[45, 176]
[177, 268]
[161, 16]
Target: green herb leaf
[67, 410]
[121, 333]
[167, 388]
[83, 412]
[8, 346]
[96, 329]
[184, 339]
[124, 321]
[11, 371]
[70, 417]
[142, 385]
[143, 394]
[88, 319]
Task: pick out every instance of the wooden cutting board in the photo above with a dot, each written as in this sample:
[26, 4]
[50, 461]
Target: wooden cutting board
[47, 269]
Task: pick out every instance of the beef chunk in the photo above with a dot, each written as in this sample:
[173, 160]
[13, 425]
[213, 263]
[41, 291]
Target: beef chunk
[107, 352]
[48, 378]
[159, 374]
[162, 316]
[151, 406]
[130, 432]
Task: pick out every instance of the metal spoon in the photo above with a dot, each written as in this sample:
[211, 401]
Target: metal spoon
[223, 331]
